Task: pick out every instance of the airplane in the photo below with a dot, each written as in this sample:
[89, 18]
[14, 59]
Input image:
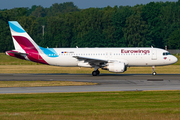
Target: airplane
[112, 59]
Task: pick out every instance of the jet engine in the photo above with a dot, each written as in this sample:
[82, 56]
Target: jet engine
[117, 67]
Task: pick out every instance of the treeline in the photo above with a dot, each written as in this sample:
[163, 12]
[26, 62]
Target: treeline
[154, 24]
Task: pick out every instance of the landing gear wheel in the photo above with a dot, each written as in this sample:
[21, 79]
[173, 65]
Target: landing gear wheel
[94, 73]
[154, 73]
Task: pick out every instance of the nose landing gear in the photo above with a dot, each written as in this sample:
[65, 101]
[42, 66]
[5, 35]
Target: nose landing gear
[154, 73]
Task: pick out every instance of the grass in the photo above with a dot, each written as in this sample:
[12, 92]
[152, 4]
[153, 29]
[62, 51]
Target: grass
[147, 105]
[41, 83]
[8, 60]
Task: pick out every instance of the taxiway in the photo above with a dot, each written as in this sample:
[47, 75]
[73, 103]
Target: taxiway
[106, 82]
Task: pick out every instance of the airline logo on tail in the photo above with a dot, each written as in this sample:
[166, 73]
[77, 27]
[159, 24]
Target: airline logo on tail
[25, 47]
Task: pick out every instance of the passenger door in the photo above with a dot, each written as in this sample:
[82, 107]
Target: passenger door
[154, 55]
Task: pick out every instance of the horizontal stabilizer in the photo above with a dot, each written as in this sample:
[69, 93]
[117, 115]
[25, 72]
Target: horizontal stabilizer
[15, 53]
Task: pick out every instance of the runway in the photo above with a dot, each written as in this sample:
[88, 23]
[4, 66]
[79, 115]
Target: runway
[106, 82]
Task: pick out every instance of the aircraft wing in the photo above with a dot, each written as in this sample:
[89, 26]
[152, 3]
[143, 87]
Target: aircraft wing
[99, 62]
[92, 61]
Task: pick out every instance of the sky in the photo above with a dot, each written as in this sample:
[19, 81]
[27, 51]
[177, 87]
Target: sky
[82, 4]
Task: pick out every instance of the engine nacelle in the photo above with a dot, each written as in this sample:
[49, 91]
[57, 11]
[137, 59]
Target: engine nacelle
[117, 67]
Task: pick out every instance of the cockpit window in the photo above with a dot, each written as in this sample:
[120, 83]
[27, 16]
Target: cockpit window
[166, 53]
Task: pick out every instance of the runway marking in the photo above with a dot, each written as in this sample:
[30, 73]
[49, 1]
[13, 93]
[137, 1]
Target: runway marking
[155, 80]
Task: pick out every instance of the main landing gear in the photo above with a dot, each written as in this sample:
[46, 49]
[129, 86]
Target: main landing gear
[96, 73]
[154, 73]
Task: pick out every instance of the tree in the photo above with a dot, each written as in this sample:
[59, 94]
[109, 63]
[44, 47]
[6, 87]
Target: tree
[33, 8]
[39, 12]
[21, 12]
[151, 13]
[92, 39]
[174, 40]
[156, 23]
[65, 7]
[119, 21]
[135, 31]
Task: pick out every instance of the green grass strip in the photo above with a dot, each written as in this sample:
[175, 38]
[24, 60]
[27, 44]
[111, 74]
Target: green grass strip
[146, 105]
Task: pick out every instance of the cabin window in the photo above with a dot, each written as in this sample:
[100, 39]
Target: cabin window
[166, 53]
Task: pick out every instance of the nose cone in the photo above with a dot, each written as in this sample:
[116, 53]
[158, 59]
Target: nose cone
[174, 59]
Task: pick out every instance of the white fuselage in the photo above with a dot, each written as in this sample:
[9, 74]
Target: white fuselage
[130, 56]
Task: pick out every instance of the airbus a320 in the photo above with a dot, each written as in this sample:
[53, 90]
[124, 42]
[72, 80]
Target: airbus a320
[112, 59]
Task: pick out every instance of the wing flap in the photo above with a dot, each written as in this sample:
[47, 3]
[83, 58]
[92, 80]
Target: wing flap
[91, 60]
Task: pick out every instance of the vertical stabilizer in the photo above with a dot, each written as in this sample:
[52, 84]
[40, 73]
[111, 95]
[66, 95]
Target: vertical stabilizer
[20, 37]
[25, 47]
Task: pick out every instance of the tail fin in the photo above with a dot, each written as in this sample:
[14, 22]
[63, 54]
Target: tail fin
[25, 47]
[21, 39]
